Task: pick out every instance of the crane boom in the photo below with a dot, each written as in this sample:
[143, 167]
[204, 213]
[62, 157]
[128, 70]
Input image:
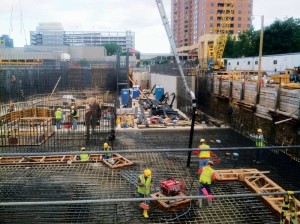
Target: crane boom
[165, 21]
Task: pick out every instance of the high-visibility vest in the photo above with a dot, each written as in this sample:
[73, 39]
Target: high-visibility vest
[204, 154]
[58, 114]
[84, 157]
[108, 150]
[206, 175]
[147, 184]
[259, 141]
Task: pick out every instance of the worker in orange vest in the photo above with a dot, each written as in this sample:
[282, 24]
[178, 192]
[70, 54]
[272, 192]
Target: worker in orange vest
[204, 156]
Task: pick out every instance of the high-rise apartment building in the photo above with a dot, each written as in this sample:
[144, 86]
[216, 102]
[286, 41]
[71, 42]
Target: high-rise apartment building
[53, 34]
[191, 19]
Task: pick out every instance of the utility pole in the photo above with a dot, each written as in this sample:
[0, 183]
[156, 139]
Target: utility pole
[261, 39]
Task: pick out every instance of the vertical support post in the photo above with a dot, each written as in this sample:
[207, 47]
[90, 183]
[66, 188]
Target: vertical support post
[194, 105]
[260, 57]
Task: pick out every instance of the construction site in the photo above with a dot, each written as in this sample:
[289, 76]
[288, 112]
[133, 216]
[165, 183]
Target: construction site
[53, 112]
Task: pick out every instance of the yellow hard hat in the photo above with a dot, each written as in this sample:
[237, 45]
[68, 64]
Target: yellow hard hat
[202, 140]
[82, 149]
[105, 145]
[147, 173]
[59, 109]
[72, 107]
[259, 130]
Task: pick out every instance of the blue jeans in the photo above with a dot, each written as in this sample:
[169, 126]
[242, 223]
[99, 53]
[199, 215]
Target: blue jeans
[203, 162]
[74, 123]
[206, 186]
[259, 154]
[58, 123]
[145, 196]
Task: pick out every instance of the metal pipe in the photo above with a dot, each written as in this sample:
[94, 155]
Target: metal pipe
[114, 200]
[148, 150]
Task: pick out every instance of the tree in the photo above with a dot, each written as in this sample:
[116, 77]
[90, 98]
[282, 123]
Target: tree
[279, 38]
[112, 48]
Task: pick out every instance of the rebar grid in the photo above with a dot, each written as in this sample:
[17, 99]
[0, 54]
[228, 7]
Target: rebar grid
[96, 181]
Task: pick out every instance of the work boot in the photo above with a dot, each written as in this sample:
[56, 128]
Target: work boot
[145, 214]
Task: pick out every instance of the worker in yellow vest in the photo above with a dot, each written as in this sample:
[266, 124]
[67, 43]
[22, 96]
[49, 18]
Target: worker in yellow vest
[144, 186]
[259, 142]
[204, 156]
[84, 156]
[207, 176]
[58, 116]
[107, 148]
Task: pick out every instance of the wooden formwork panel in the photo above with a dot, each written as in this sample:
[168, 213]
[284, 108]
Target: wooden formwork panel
[237, 89]
[119, 161]
[258, 182]
[289, 102]
[250, 92]
[168, 204]
[268, 97]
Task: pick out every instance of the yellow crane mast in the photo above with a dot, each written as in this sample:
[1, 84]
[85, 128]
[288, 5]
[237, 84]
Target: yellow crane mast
[222, 30]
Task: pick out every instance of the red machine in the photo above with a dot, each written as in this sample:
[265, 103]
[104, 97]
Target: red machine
[171, 187]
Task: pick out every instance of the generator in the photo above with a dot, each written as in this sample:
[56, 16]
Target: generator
[171, 187]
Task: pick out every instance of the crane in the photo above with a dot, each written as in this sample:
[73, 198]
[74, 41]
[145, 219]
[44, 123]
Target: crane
[163, 16]
[215, 53]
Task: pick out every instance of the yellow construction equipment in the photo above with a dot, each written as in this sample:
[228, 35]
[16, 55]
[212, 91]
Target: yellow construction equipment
[223, 29]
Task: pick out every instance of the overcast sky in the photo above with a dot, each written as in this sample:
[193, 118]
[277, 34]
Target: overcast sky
[140, 16]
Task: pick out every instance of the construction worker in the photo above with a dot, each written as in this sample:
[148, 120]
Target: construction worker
[58, 115]
[108, 149]
[259, 142]
[74, 115]
[84, 156]
[144, 185]
[207, 176]
[204, 156]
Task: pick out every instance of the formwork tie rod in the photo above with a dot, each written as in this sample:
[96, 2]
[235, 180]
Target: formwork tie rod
[115, 200]
[150, 150]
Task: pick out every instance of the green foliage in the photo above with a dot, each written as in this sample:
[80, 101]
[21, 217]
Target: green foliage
[279, 38]
[112, 48]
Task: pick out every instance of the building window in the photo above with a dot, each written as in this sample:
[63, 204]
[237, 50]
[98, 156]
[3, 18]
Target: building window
[239, 25]
[211, 11]
[211, 4]
[237, 63]
[240, 6]
[211, 18]
[240, 12]
[256, 62]
[248, 62]
[248, 25]
[239, 18]
[249, 12]
[228, 63]
[248, 19]
[211, 25]
[275, 62]
[249, 6]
